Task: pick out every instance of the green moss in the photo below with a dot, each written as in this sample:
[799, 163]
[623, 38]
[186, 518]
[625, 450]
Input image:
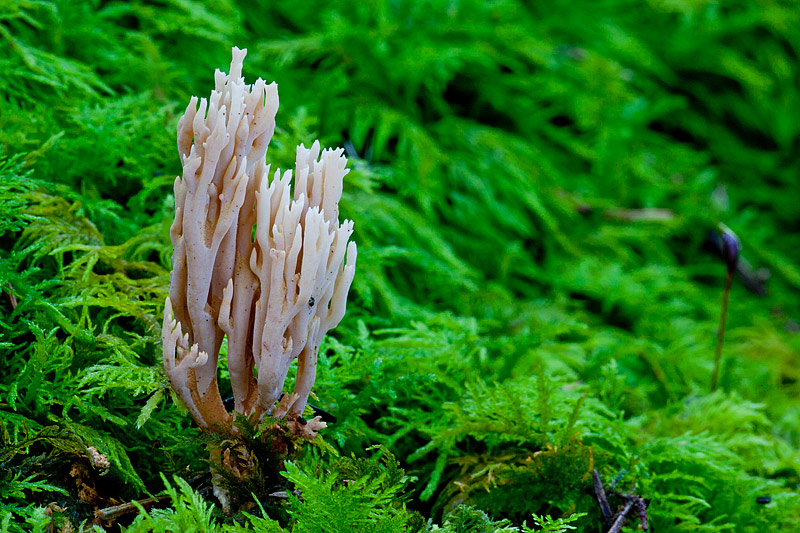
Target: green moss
[533, 188]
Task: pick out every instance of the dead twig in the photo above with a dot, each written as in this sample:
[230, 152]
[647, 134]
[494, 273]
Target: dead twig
[12, 299]
[600, 492]
[632, 503]
[112, 513]
[622, 516]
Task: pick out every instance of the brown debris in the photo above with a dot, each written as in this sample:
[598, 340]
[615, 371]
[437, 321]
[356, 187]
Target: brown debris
[632, 503]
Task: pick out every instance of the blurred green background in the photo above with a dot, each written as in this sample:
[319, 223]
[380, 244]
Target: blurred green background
[536, 187]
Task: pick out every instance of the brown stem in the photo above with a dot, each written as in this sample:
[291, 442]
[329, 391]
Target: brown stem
[12, 300]
[616, 527]
[600, 492]
[721, 331]
[112, 513]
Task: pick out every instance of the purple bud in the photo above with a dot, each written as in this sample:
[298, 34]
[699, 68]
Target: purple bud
[730, 249]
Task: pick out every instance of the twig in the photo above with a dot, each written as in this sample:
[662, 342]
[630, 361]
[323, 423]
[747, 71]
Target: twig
[112, 513]
[640, 506]
[632, 503]
[600, 492]
[12, 300]
[616, 527]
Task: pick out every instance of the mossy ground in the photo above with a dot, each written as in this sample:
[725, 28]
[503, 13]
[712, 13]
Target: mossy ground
[535, 189]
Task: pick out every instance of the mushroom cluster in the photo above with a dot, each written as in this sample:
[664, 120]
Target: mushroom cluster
[266, 265]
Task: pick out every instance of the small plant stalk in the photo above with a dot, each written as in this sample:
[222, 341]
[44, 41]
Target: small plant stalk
[730, 253]
[721, 332]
